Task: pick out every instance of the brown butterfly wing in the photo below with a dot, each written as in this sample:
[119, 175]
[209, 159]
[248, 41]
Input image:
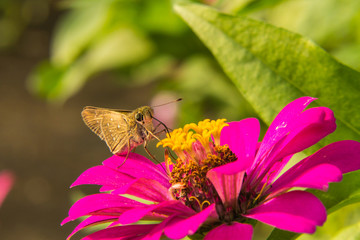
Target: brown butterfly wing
[93, 117]
[111, 126]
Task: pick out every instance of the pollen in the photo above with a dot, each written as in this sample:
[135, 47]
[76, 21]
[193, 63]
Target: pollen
[189, 181]
[178, 140]
[182, 139]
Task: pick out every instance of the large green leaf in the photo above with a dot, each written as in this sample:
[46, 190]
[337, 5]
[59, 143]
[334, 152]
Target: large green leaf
[271, 66]
[339, 225]
[245, 6]
[350, 233]
[341, 194]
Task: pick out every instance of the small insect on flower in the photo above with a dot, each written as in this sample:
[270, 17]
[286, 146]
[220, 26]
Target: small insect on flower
[123, 130]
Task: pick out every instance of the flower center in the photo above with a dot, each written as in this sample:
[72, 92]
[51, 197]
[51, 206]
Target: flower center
[198, 149]
[190, 184]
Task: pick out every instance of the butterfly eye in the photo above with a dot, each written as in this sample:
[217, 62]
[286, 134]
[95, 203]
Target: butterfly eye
[139, 117]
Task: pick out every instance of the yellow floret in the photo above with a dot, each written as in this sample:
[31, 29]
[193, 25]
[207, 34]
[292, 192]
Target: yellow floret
[182, 138]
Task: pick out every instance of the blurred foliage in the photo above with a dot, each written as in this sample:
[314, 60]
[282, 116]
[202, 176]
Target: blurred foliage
[16, 15]
[340, 225]
[145, 43]
[333, 24]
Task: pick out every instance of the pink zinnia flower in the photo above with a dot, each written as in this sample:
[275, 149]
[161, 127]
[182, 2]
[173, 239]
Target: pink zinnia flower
[223, 178]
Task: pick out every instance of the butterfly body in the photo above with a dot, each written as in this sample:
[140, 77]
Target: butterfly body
[122, 130]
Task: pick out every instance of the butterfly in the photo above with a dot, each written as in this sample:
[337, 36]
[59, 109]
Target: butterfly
[123, 130]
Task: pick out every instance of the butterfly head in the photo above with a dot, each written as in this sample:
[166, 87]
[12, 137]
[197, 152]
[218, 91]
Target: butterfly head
[144, 115]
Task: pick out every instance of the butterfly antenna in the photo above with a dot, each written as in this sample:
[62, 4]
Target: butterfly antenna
[166, 128]
[177, 100]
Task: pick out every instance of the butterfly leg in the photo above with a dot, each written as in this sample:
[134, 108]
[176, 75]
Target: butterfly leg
[167, 130]
[127, 154]
[149, 153]
[152, 156]
[157, 126]
[159, 132]
[163, 124]
[156, 134]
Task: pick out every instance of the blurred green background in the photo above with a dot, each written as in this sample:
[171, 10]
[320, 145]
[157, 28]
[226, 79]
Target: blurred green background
[58, 56]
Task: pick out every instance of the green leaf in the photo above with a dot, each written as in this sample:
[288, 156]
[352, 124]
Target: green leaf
[76, 31]
[342, 224]
[44, 79]
[157, 16]
[349, 233]
[255, 5]
[341, 194]
[85, 24]
[312, 19]
[123, 46]
[349, 54]
[278, 234]
[231, 6]
[271, 66]
[119, 48]
[245, 6]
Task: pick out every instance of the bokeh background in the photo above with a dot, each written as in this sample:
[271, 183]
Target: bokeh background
[58, 56]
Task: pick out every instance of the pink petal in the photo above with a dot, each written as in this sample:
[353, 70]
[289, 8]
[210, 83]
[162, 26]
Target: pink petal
[157, 232]
[91, 221]
[275, 170]
[100, 201]
[148, 189]
[139, 167]
[296, 211]
[241, 137]
[343, 154]
[136, 214]
[307, 129]
[6, 182]
[101, 175]
[324, 166]
[234, 231]
[122, 232]
[318, 177]
[180, 227]
[280, 126]
[227, 186]
[177, 209]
